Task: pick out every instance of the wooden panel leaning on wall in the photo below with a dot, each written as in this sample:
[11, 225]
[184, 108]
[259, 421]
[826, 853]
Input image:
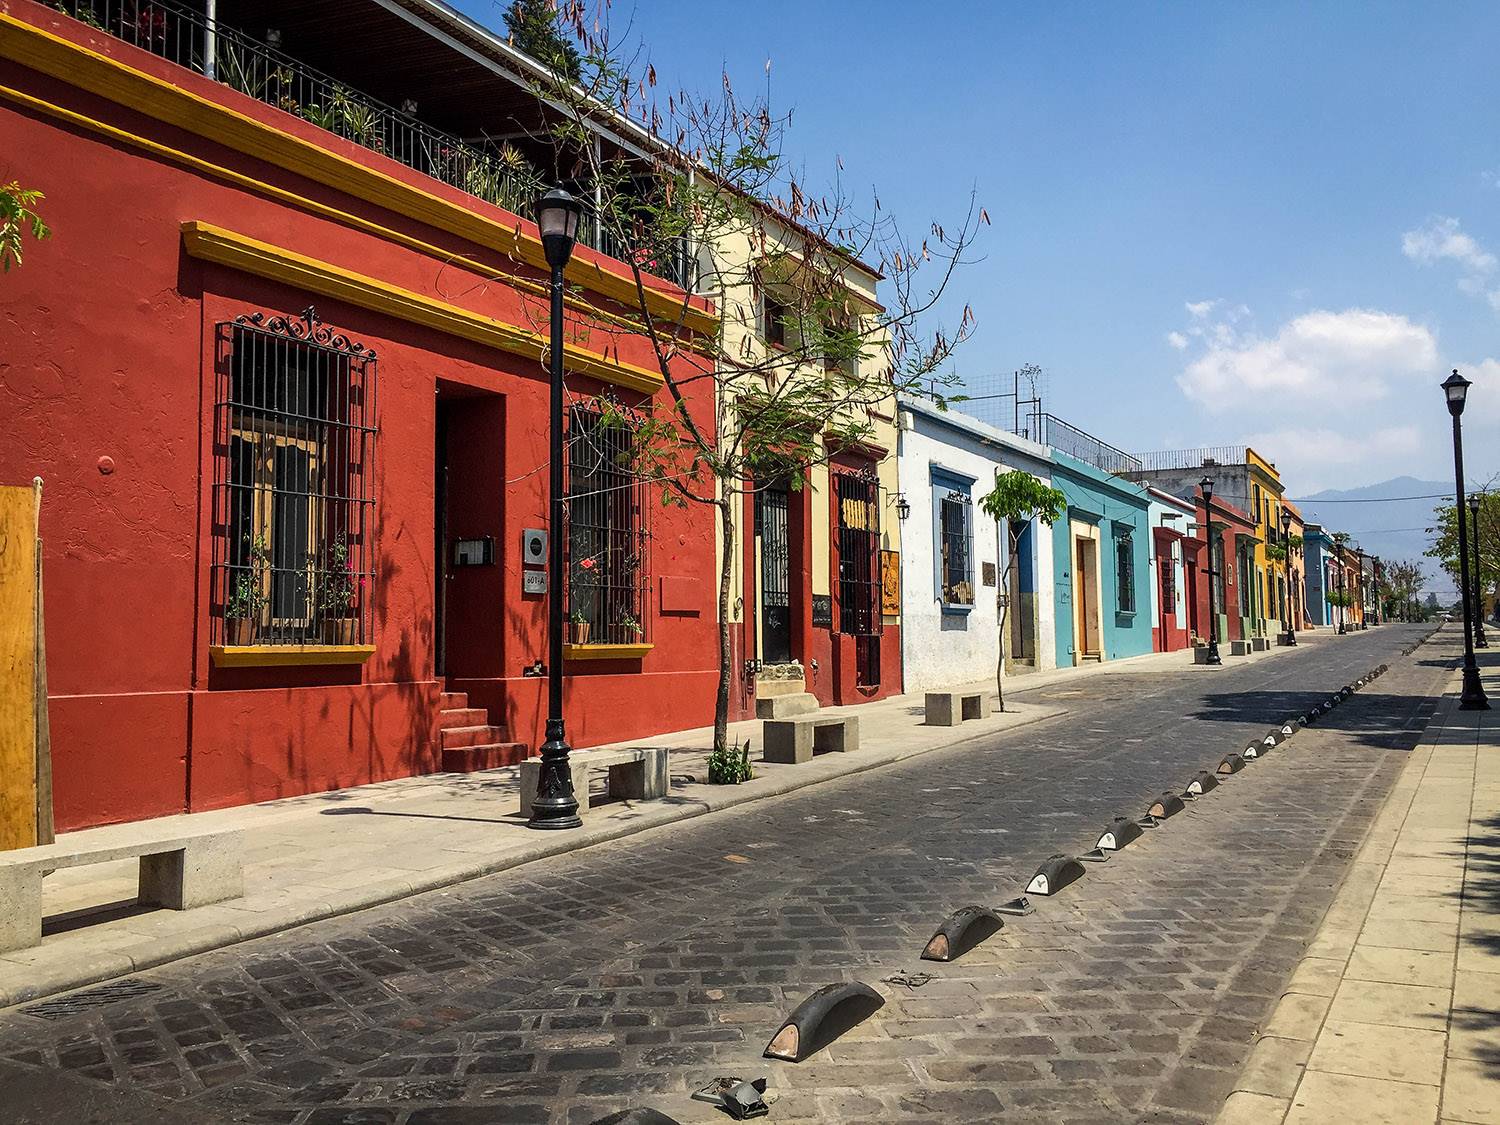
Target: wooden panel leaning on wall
[25, 774]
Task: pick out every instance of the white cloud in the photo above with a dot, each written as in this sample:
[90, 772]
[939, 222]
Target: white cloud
[1439, 239]
[1319, 449]
[1311, 357]
[1200, 309]
[1177, 340]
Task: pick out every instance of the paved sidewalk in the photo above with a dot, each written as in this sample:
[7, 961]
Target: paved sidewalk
[1394, 1013]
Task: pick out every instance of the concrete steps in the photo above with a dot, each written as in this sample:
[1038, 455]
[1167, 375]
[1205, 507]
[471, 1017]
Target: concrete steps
[469, 742]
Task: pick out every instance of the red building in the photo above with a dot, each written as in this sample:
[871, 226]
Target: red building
[1226, 532]
[286, 394]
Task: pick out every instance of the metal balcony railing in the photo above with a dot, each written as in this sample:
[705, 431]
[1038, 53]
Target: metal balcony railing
[1208, 455]
[496, 173]
[1049, 429]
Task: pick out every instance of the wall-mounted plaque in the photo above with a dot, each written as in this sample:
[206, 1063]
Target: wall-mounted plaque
[987, 573]
[890, 583]
[822, 607]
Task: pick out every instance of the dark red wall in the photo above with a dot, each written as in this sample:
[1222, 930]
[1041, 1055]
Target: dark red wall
[108, 353]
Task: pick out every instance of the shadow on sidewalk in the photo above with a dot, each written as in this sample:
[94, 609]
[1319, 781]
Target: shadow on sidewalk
[1481, 895]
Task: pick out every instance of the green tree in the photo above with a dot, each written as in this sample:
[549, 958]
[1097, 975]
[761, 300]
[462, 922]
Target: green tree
[535, 27]
[17, 216]
[1017, 498]
[713, 199]
[1444, 546]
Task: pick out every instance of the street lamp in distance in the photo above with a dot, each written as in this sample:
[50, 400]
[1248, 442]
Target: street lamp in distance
[1456, 391]
[556, 805]
[1480, 640]
[1206, 486]
[1286, 536]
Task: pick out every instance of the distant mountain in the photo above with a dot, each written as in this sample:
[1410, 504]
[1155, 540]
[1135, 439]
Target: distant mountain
[1389, 519]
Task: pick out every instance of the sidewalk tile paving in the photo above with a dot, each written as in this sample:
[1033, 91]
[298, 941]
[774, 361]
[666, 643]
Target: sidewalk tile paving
[1394, 1014]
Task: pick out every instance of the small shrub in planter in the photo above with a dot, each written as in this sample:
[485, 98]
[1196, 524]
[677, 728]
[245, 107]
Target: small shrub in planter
[730, 766]
[578, 628]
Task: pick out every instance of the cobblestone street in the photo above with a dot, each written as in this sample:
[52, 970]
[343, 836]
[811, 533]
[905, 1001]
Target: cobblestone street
[634, 972]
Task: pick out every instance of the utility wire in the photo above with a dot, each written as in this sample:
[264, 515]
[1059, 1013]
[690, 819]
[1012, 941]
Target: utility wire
[1374, 499]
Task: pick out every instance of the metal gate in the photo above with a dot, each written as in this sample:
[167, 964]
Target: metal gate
[775, 574]
[859, 577]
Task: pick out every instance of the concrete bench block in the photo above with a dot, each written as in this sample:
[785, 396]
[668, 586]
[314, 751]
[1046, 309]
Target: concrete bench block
[180, 872]
[1260, 644]
[795, 741]
[785, 706]
[1239, 648]
[638, 773]
[949, 708]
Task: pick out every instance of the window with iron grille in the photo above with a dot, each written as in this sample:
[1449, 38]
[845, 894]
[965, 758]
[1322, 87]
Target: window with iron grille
[293, 506]
[1125, 573]
[859, 553]
[607, 534]
[956, 548]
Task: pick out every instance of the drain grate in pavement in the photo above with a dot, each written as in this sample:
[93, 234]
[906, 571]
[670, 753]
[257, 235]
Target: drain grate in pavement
[62, 1007]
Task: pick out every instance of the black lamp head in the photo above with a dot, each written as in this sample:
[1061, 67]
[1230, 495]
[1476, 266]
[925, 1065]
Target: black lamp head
[1456, 388]
[557, 215]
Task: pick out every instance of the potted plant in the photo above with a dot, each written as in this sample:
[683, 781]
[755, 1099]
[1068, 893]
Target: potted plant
[247, 597]
[630, 626]
[338, 596]
[578, 628]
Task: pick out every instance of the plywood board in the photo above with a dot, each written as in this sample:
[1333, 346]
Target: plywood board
[17, 667]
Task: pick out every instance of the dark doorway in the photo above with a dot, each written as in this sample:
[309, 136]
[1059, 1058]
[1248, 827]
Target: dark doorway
[771, 504]
[468, 512]
[440, 542]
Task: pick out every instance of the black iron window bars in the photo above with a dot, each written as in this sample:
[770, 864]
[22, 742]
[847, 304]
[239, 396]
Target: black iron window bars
[608, 596]
[956, 540]
[293, 503]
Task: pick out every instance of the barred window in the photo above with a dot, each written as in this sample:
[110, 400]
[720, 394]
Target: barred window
[774, 317]
[608, 579]
[1125, 573]
[859, 553]
[955, 544]
[294, 434]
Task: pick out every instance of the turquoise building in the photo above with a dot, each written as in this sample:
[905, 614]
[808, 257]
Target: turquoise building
[1102, 565]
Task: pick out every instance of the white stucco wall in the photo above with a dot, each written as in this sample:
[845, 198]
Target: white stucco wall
[943, 648]
[1160, 509]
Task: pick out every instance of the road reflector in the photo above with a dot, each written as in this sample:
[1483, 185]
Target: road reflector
[960, 932]
[1055, 873]
[822, 1018]
[1120, 833]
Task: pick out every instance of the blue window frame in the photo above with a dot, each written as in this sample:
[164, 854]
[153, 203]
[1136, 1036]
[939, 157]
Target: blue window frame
[953, 539]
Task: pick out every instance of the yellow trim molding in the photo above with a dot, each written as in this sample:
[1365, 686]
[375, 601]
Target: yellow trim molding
[210, 243]
[263, 656]
[605, 652]
[109, 78]
[311, 206]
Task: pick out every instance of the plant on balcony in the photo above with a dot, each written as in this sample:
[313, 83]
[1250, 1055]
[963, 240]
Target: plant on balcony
[247, 598]
[578, 628]
[722, 211]
[17, 216]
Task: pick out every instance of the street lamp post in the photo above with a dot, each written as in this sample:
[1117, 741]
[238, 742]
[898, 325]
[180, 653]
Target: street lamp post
[1207, 487]
[1286, 543]
[1363, 587]
[1480, 641]
[1342, 593]
[556, 805]
[1456, 390]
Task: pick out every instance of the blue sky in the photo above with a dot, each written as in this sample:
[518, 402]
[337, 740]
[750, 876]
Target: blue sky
[1212, 223]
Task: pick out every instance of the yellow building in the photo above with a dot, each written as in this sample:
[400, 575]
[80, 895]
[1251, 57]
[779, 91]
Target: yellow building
[814, 589]
[1268, 609]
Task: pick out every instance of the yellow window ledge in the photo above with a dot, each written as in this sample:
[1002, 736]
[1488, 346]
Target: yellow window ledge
[605, 652]
[254, 656]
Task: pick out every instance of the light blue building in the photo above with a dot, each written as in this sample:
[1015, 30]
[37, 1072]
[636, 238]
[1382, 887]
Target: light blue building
[1317, 552]
[1102, 565]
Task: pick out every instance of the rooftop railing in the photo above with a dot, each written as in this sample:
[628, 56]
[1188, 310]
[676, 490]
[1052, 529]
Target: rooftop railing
[496, 173]
[1208, 455]
[1048, 429]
